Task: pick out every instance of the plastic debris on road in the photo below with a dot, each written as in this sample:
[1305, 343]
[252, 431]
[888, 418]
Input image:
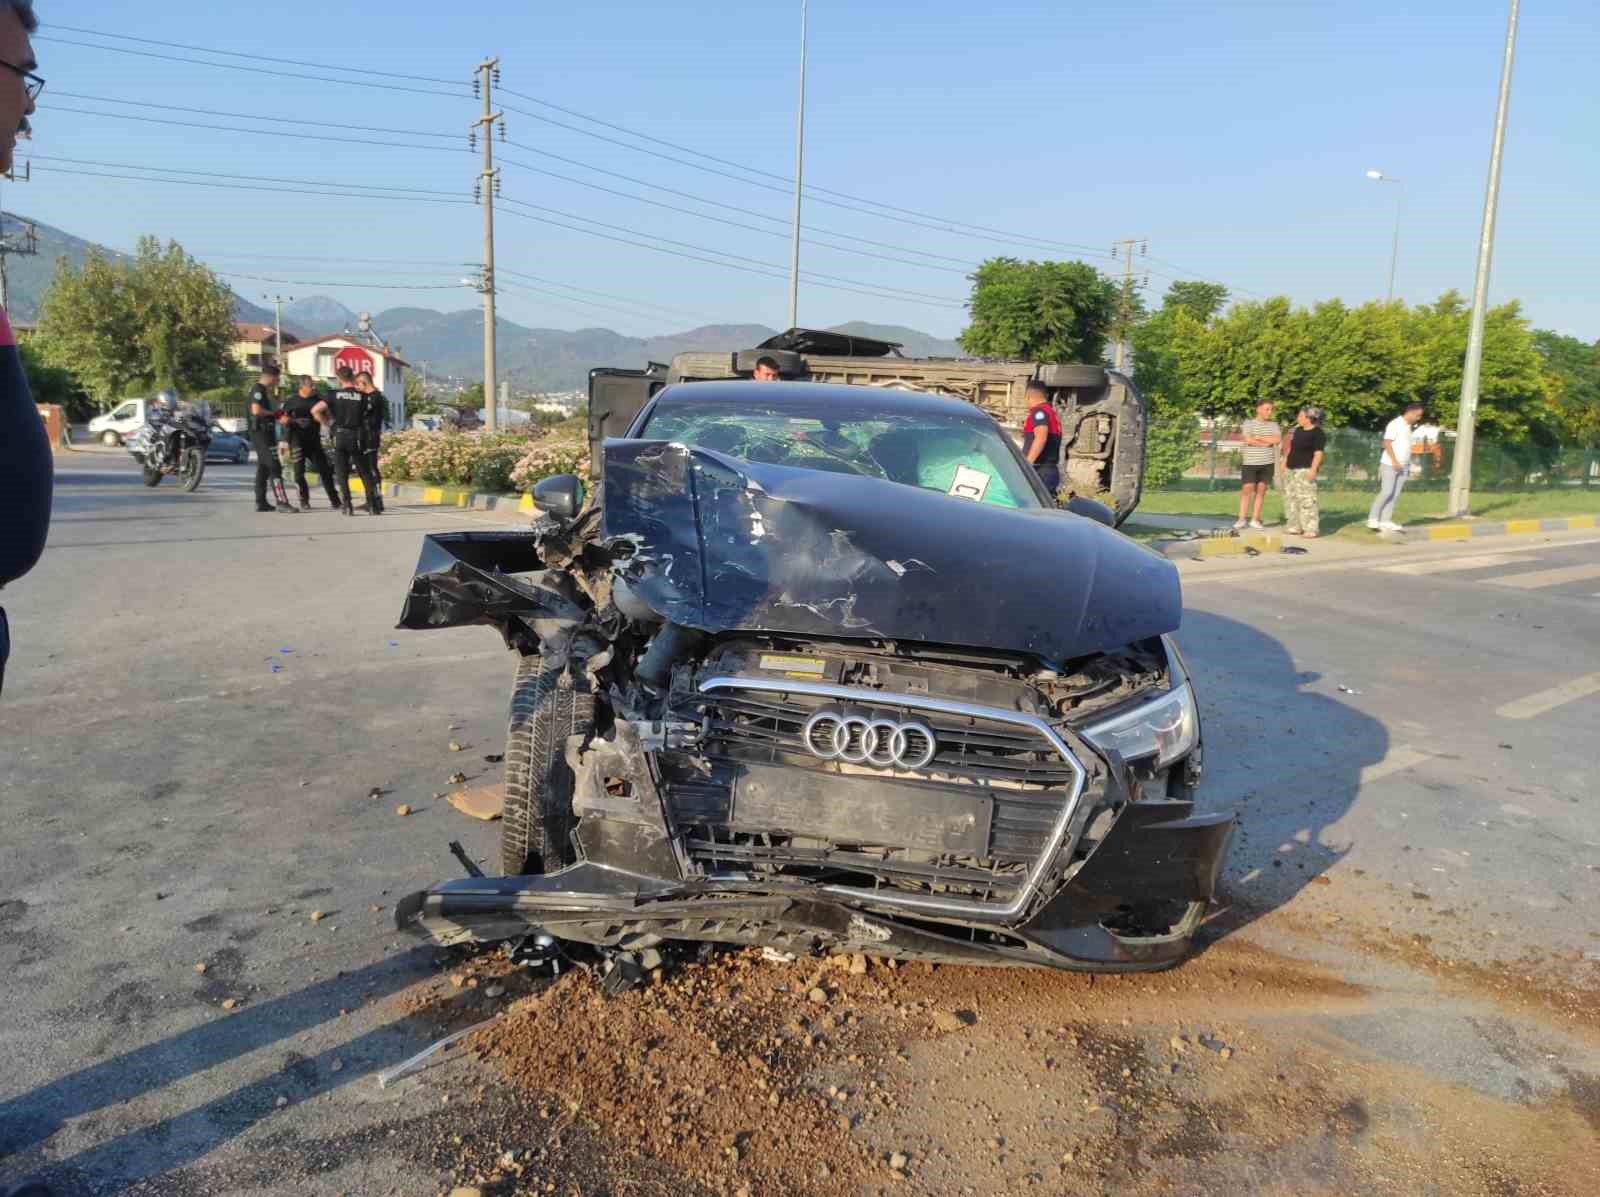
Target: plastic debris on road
[391, 1075]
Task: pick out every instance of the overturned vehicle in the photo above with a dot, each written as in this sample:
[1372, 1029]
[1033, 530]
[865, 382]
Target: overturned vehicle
[824, 668]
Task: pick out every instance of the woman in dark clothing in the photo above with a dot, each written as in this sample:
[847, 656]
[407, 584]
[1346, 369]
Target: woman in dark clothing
[1303, 452]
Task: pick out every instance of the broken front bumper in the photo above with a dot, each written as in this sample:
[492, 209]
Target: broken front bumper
[1158, 854]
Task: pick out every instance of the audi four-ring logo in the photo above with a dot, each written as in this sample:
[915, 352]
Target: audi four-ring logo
[836, 735]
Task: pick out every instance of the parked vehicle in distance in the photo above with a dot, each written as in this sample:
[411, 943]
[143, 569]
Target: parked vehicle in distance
[227, 446]
[121, 422]
[825, 668]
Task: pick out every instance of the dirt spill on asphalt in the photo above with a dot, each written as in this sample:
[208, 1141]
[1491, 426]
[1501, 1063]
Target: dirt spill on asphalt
[737, 1076]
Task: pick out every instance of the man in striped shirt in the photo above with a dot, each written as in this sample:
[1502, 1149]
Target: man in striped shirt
[1261, 439]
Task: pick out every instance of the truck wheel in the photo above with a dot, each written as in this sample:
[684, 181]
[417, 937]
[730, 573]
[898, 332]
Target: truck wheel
[110, 438]
[152, 477]
[536, 824]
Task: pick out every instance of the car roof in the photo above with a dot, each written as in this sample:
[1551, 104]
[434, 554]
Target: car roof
[819, 397]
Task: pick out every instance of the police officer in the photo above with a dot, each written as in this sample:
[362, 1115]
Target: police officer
[264, 417]
[352, 415]
[374, 437]
[1041, 437]
[307, 411]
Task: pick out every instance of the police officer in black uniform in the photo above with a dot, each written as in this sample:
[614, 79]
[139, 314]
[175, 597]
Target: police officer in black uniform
[374, 437]
[263, 436]
[352, 415]
[307, 411]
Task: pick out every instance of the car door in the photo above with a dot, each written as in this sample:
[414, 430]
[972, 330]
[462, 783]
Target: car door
[616, 397]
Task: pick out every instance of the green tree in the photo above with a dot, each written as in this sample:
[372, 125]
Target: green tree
[420, 401]
[1172, 441]
[1572, 370]
[1260, 350]
[1513, 387]
[53, 384]
[1364, 369]
[1039, 311]
[157, 319]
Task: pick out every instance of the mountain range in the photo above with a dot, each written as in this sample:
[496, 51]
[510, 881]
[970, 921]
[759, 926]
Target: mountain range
[451, 343]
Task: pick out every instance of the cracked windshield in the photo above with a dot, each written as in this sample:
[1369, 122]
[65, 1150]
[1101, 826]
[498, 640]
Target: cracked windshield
[955, 457]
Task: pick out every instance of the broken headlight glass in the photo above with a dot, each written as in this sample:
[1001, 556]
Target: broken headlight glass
[1167, 728]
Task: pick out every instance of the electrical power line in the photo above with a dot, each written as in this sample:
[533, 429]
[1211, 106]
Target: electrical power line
[763, 273]
[342, 140]
[252, 116]
[940, 299]
[671, 311]
[255, 56]
[413, 199]
[176, 170]
[302, 282]
[341, 74]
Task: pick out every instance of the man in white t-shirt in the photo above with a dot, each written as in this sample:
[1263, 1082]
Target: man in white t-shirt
[1394, 467]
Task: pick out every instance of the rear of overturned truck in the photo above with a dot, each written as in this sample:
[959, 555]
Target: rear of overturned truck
[771, 705]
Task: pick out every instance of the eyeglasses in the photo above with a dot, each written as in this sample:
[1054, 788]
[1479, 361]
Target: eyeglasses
[32, 82]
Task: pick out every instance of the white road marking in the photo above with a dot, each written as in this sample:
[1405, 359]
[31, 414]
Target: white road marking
[1548, 700]
[1396, 760]
[1256, 575]
[1482, 561]
[1548, 577]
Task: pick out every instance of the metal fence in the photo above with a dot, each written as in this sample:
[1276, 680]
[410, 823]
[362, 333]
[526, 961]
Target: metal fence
[1352, 456]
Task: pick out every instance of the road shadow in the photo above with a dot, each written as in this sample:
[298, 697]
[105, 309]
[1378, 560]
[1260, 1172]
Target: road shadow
[1283, 753]
[149, 1150]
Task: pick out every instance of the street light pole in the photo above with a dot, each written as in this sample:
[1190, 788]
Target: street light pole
[799, 167]
[1399, 202]
[1466, 419]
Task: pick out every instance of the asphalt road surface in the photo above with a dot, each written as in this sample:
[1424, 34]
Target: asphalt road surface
[1399, 993]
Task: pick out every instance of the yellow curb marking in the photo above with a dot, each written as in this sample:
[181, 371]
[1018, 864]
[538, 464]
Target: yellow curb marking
[1450, 532]
[1520, 527]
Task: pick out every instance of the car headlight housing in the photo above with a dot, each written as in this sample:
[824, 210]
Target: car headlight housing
[1166, 728]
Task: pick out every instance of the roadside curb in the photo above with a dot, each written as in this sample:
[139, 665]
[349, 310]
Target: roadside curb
[448, 496]
[1235, 546]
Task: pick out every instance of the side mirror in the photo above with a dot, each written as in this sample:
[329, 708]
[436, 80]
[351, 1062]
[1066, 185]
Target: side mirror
[1089, 509]
[559, 495]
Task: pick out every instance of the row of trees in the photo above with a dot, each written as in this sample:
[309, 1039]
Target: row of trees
[155, 319]
[1197, 355]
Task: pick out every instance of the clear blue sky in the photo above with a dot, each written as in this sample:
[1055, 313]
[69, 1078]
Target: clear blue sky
[1236, 140]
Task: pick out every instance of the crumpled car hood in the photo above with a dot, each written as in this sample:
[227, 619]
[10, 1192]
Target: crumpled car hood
[721, 544]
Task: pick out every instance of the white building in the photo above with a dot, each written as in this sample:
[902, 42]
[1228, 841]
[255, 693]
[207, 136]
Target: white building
[320, 357]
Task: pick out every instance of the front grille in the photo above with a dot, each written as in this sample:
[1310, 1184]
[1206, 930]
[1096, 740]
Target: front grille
[768, 726]
[1014, 779]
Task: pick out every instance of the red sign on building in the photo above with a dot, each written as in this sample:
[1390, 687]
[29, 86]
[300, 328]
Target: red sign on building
[356, 358]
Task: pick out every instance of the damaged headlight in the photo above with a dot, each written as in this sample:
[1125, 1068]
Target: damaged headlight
[1166, 728]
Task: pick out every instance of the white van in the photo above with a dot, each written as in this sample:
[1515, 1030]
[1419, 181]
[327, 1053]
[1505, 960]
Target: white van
[120, 422]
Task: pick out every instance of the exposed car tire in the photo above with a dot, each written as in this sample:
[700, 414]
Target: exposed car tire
[152, 477]
[110, 438]
[536, 823]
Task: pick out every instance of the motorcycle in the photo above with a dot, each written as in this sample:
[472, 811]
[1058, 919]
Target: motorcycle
[173, 440]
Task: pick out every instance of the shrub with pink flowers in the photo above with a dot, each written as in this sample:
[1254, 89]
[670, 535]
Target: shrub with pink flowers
[496, 462]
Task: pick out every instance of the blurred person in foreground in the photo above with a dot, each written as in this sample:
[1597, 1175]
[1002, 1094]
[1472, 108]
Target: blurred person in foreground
[27, 473]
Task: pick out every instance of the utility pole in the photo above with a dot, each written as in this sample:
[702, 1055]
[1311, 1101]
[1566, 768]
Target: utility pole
[24, 243]
[1124, 249]
[488, 186]
[277, 308]
[1466, 419]
[799, 170]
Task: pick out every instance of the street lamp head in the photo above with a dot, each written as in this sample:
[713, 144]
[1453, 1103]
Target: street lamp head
[1374, 174]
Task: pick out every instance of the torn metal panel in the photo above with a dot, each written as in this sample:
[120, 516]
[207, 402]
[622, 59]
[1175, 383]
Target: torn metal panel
[719, 544]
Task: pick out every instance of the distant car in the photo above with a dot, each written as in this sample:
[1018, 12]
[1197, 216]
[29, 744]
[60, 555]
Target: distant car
[120, 422]
[227, 446]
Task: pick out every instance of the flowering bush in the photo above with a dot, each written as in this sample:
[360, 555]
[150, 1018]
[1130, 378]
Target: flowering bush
[498, 461]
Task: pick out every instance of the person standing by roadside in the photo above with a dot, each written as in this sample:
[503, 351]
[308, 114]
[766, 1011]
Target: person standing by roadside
[351, 415]
[379, 409]
[1306, 444]
[27, 471]
[1041, 437]
[264, 417]
[307, 411]
[1261, 439]
[1394, 467]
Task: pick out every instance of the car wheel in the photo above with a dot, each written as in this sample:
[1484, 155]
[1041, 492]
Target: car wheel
[536, 824]
[242, 457]
[110, 438]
